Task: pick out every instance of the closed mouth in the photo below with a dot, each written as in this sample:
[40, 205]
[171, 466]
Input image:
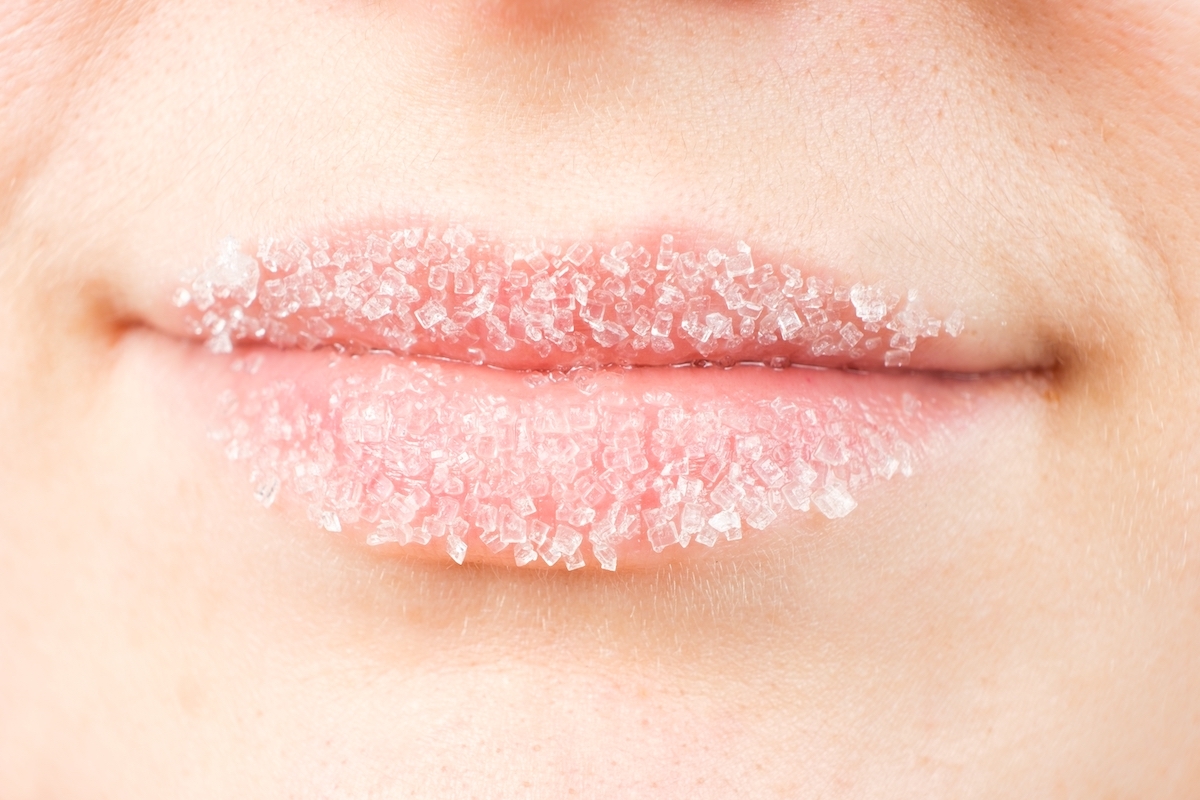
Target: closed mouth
[433, 390]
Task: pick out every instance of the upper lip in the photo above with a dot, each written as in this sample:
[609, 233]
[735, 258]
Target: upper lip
[449, 292]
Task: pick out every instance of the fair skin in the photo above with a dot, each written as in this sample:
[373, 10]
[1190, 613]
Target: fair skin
[1017, 619]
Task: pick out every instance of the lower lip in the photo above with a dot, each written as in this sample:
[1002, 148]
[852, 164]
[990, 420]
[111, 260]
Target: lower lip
[599, 469]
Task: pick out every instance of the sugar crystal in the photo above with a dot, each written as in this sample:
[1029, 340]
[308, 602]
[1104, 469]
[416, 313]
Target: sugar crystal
[614, 265]
[850, 334]
[749, 448]
[708, 537]
[430, 314]
[433, 527]
[549, 553]
[770, 472]
[739, 263]
[666, 252]
[834, 501]
[524, 554]
[662, 535]
[523, 504]
[566, 539]
[727, 493]
[725, 521]
[538, 531]
[955, 323]
[384, 535]
[788, 321]
[606, 555]
[798, 495]
[417, 535]
[512, 527]
[457, 548]
[757, 512]
[578, 253]
[488, 519]
[832, 451]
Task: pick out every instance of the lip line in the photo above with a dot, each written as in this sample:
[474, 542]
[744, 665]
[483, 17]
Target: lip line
[347, 350]
[125, 322]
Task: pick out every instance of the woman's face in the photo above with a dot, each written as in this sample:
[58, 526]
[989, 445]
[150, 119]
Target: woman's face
[1017, 617]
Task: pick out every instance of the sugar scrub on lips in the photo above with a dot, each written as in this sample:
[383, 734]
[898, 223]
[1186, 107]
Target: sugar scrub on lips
[589, 446]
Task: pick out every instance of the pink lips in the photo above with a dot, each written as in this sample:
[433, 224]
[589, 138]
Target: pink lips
[585, 448]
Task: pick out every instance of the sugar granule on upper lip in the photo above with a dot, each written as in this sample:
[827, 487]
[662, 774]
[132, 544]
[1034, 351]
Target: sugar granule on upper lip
[570, 304]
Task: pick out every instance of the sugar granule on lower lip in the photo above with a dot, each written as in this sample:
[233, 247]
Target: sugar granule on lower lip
[410, 456]
[574, 304]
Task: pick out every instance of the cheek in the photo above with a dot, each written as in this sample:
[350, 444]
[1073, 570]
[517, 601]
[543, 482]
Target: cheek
[1129, 56]
[1119, 89]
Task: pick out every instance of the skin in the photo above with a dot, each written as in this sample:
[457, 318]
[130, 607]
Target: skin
[1017, 620]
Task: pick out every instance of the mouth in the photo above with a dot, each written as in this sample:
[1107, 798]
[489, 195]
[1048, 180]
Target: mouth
[447, 393]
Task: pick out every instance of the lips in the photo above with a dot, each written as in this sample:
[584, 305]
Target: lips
[447, 393]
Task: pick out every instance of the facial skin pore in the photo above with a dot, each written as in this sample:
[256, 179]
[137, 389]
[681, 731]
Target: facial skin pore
[1018, 618]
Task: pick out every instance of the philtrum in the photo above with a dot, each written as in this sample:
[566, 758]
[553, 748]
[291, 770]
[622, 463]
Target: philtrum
[401, 449]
